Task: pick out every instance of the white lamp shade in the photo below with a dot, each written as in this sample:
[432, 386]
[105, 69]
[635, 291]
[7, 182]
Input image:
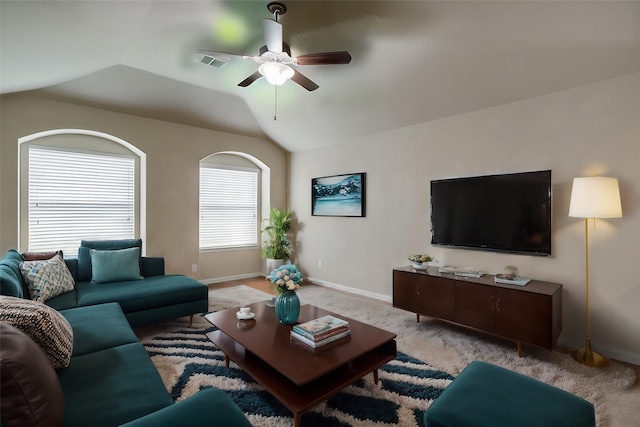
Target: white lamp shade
[595, 197]
[276, 73]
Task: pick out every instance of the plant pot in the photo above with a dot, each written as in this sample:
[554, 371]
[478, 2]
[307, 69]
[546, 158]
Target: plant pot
[272, 264]
[288, 307]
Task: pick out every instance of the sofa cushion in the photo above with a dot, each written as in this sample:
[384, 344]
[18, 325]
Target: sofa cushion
[98, 327]
[117, 265]
[112, 387]
[208, 407]
[137, 295]
[11, 283]
[151, 266]
[84, 258]
[31, 392]
[48, 278]
[40, 256]
[44, 325]
[64, 301]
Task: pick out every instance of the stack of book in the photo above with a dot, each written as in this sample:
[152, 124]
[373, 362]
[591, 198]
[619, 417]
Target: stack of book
[321, 331]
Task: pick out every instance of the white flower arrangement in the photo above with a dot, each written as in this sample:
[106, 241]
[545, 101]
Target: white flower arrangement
[417, 258]
[286, 278]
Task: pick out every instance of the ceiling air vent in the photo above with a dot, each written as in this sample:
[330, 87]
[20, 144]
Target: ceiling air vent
[210, 60]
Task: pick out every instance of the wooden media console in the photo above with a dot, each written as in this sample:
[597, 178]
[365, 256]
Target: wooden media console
[530, 314]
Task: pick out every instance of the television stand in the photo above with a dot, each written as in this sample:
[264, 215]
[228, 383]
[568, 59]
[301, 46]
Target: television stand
[530, 314]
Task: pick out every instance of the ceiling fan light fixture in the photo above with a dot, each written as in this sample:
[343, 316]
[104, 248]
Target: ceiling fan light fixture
[276, 73]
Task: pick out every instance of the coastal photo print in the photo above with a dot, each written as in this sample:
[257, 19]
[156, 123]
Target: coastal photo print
[338, 195]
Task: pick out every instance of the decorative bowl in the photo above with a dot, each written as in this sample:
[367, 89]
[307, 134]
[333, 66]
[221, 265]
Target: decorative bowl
[420, 265]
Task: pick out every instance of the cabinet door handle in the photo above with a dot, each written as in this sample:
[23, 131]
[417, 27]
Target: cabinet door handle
[417, 289]
[499, 305]
[493, 306]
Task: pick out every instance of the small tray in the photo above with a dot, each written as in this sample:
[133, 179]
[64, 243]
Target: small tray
[520, 281]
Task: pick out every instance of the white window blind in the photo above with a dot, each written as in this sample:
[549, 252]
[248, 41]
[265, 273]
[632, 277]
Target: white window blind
[228, 207]
[79, 195]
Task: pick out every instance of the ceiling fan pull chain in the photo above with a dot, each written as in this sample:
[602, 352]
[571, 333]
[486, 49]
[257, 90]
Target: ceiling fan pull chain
[275, 102]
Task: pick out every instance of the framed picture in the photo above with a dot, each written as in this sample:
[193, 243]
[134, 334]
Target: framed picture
[338, 195]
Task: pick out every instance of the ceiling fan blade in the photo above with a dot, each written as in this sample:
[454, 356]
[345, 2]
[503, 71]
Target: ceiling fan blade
[272, 35]
[252, 78]
[304, 81]
[324, 58]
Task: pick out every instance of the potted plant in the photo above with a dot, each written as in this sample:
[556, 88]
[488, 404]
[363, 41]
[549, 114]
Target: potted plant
[276, 247]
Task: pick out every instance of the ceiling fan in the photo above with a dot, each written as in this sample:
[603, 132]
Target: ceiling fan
[275, 61]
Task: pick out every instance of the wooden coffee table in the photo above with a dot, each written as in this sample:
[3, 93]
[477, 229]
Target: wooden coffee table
[298, 375]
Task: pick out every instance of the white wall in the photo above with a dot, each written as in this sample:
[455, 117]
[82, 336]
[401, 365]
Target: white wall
[173, 158]
[594, 129]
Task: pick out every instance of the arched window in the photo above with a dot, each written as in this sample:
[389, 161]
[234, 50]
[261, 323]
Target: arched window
[78, 185]
[231, 191]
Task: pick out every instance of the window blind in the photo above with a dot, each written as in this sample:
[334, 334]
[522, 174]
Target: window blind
[79, 195]
[228, 207]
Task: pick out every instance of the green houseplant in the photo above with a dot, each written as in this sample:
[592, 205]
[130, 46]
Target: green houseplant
[276, 245]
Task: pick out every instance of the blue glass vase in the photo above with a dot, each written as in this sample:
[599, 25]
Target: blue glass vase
[288, 307]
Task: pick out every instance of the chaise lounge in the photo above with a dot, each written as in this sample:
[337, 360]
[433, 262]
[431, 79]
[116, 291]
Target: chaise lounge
[144, 292]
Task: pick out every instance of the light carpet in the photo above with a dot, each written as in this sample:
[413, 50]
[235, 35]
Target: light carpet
[427, 346]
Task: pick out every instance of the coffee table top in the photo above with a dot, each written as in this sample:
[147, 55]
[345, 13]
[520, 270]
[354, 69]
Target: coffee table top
[270, 340]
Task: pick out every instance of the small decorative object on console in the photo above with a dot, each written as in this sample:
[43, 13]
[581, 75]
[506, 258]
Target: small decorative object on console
[419, 261]
[511, 272]
[518, 280]
[461, 271]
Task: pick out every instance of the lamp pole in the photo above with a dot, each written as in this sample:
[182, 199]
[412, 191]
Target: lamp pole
[585, 355]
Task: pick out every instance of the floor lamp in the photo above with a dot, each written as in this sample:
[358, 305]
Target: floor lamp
[593, 197]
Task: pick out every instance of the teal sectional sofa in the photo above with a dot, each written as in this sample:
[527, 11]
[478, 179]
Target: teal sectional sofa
[110, 379]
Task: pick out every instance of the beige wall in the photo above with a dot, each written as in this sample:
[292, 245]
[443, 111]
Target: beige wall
[173, 155]
[593, 129]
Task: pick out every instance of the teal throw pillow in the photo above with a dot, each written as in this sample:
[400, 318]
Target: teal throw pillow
[84, 258]
[116, 265]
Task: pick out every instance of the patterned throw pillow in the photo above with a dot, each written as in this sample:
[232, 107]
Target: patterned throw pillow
[48, 328]
[47, 279]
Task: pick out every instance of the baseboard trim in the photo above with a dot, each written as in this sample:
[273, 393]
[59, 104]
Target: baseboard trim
[605, 351]
[230, 278]
[357, 291]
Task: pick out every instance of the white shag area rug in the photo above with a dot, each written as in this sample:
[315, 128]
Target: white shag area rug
[450, 348]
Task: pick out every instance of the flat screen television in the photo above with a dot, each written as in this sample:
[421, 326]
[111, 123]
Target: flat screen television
[504, 213]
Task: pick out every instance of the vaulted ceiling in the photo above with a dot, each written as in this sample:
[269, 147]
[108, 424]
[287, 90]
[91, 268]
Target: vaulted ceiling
[413, 61]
